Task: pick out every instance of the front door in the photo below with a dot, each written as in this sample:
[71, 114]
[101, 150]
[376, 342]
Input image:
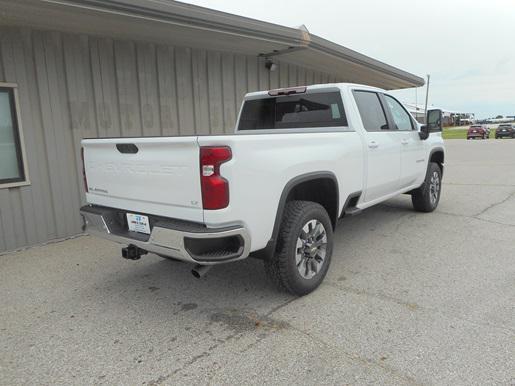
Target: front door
[383, 147]
[413, 156]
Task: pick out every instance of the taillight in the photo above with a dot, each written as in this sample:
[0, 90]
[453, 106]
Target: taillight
[215, 188]
[84, 170]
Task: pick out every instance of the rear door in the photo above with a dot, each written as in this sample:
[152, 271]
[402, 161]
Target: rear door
[413, 161]
[382, 147]
[157, 175]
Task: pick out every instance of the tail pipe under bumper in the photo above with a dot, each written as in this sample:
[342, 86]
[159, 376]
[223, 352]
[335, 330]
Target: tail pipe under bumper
[186, 241]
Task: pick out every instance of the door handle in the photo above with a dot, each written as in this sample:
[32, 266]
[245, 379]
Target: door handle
[373, 145]
[404, 141]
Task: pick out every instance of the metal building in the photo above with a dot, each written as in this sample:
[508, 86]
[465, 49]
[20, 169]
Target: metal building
[71, 69]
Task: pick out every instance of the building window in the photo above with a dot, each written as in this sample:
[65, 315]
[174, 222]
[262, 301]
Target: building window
[13, 170]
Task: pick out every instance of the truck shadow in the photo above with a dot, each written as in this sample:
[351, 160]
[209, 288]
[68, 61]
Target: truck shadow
[244, 284]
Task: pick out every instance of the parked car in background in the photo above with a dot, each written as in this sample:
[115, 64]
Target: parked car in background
[478, 131]
[505, 130]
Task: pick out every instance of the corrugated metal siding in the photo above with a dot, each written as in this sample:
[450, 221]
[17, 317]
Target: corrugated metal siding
[76, 86]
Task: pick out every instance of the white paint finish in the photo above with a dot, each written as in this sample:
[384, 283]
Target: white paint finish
[413, 159]
[263, 164]
[162, 178]
[383, 163]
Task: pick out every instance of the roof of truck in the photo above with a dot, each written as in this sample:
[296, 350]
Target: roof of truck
[315, 87]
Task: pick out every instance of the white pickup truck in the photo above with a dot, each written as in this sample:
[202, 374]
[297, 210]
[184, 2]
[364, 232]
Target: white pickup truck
[301, 158]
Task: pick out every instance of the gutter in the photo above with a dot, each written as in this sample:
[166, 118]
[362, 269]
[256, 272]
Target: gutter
[192, 16]
[319, 44]
[173, 12]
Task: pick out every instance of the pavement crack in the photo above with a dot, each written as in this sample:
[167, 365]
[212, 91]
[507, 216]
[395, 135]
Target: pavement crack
[277, 308]
[511, 195]
[412, 306]
[474, 217]
[369, 363]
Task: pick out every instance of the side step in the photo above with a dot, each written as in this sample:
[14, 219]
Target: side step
[350, 205]
[353, 211]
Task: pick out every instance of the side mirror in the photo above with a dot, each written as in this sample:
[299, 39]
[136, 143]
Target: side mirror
[433, 124]
[434, 120]
[424, 132]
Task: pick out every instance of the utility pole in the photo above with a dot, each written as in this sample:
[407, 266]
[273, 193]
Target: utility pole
[427, 96]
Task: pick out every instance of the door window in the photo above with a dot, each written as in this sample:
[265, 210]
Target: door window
[400, 116]
[371, 111]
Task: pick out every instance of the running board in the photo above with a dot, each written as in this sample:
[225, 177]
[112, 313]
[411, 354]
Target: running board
[353, 211]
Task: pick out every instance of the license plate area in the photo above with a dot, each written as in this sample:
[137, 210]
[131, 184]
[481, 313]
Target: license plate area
[138, 223]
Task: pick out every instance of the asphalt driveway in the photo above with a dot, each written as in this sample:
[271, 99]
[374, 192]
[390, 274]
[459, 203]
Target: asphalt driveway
[410, 299]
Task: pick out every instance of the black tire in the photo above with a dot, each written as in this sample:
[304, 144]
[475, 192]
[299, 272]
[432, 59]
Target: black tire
[423, 198]
[282, 268]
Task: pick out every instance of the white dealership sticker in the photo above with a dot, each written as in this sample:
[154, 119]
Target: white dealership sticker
[138, 223]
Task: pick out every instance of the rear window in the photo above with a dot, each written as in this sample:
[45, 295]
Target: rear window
[293, 111]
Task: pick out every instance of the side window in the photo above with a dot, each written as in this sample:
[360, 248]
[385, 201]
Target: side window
[371, 110]
[12, 164]
[400, 115]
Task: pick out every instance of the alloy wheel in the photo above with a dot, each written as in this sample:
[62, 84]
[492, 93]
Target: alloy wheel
[434, 188]
[311, 249]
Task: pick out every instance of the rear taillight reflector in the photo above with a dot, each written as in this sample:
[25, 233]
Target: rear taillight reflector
[84, 170]
[215, 188]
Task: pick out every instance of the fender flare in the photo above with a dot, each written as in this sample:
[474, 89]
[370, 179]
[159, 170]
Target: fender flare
[295, 181]
[437, 149]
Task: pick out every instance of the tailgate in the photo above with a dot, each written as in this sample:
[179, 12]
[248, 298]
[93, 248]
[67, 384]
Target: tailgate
[157, 176]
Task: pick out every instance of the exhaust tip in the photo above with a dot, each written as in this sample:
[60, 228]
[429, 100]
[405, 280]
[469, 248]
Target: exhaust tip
[200, 270]
[195, 273]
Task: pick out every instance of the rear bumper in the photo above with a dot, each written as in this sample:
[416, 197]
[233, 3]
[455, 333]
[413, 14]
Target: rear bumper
[472, 135]
[187, 241]
[504, 134]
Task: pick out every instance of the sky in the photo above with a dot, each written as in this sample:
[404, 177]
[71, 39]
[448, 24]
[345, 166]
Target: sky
[467, 46]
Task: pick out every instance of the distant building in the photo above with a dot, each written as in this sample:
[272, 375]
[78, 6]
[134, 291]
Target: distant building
[450, 117]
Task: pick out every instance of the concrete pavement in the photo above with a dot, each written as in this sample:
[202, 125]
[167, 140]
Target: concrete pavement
[410, 299]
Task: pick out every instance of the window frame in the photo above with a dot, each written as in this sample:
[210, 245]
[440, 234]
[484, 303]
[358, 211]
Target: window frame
[382, 103]
[19, 141]
[390, 115]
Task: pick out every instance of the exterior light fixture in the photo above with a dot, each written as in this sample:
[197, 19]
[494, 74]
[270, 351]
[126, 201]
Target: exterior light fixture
[270, 65]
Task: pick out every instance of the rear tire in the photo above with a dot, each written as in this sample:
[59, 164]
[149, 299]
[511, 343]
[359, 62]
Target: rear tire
[427, 197]
[304, 248]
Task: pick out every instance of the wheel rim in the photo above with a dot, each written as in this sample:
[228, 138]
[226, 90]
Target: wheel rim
[434, 188]
[311, 249]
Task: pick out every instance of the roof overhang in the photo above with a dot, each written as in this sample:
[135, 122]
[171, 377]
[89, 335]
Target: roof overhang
[171, 22]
